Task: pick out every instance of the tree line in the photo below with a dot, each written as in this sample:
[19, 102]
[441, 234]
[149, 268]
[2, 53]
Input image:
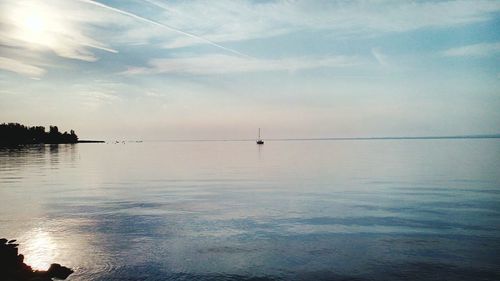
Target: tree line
[15, 133]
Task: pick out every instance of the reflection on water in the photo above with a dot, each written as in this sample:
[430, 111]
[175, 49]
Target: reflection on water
[40, 249]
[325, 210]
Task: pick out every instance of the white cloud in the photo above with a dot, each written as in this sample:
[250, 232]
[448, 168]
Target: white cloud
[96, 94]
[20, 67]
[229, 20]
[161, 25]
[153, 94]
[79, 29]
[380, 57]
[221, 64]
[476, 50]
[67, 28]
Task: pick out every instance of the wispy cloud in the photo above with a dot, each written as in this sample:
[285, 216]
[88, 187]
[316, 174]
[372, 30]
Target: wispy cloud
[85, 30]
[475, 50]
[63, 27]
[223, 64]
[380, 57]
[228, 20]
[97, 94]
[21, 67]
[164, 26]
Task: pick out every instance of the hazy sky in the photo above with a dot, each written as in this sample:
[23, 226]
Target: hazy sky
[161, 69]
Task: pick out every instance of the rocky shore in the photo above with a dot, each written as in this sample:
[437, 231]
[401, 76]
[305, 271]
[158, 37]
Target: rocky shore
[13, 268]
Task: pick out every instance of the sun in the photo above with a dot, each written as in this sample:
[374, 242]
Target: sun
[33, 29]
[37, 25]
[34, 23]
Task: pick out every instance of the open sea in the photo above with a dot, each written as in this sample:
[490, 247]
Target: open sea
[233, 210]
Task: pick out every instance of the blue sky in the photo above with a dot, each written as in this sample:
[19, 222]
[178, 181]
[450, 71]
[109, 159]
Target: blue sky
[158, 69]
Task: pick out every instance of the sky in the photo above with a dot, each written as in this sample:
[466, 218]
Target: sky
[165, 69]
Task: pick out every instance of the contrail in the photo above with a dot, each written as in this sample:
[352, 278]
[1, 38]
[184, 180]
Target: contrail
[163, 26]
[159, 5]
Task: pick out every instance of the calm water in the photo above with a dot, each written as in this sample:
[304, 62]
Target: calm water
[296, 210]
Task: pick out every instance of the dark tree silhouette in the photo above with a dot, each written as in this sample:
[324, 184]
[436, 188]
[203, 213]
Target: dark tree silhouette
[15, 133]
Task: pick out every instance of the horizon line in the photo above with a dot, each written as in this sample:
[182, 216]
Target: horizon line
[479, 136]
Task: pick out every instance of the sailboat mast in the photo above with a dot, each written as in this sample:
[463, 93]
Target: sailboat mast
[259, 140]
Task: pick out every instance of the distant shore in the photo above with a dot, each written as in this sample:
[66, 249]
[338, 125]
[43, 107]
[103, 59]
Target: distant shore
[18, 134]
[90, 141]
[15, 134]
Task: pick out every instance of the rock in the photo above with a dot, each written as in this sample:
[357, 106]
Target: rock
[13, 268]
[58, 271]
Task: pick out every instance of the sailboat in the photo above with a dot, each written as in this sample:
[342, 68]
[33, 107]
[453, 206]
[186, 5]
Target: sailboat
[259, 140]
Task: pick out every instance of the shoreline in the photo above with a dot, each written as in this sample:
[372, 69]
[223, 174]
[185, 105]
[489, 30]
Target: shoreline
[50, 143]
[90, 141]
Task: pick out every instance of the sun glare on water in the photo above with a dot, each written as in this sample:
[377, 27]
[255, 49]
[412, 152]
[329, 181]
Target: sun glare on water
[39, 249]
